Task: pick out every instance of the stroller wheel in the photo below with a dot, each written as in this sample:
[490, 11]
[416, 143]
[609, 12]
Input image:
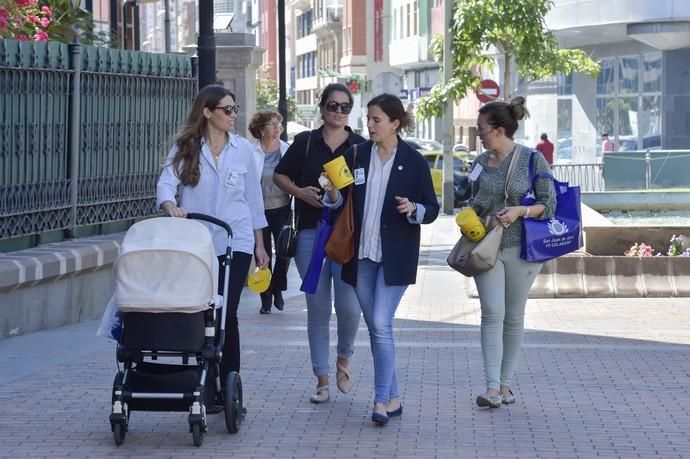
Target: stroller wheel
[119, 433]
[233, 402]
[197, 434]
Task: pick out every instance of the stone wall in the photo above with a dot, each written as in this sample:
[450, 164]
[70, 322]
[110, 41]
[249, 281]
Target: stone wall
[56, 284]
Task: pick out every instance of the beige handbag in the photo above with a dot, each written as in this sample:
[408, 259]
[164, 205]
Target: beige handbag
[470, 258]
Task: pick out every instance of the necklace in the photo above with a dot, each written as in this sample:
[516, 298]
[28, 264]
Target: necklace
[216, 155]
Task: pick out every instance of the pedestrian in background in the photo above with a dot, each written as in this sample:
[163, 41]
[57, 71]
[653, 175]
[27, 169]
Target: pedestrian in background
[393, 195]
[606, 144]
[546, 148]
[266, 126]
[503, 290]
[214, 173]
[297, 174]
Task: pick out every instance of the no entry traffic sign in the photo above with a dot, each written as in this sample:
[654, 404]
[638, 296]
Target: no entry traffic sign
[488, 91]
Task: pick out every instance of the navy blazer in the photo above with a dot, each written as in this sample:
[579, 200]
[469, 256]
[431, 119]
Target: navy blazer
[411, 178]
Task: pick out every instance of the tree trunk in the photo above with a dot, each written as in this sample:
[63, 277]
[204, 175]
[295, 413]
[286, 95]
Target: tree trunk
[506, 76]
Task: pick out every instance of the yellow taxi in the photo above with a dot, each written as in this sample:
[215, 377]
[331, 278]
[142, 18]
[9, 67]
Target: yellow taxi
[435, 161]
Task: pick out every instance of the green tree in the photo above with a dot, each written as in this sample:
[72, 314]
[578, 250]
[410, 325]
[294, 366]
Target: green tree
[267, 94]
[514, 28]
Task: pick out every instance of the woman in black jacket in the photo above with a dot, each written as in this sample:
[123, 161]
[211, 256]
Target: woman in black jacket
[393, 195]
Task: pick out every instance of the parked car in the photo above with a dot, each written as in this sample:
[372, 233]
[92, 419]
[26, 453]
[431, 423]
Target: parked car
[423, 145]
[564, 150]
[629, 143]
[461, 183]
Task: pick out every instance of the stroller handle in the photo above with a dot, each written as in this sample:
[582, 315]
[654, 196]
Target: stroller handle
[210, 219]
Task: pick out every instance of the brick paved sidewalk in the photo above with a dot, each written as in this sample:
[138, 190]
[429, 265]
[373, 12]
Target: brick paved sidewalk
[598, 378]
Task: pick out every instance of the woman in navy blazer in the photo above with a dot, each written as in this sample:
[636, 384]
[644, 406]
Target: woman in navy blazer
[393, 195]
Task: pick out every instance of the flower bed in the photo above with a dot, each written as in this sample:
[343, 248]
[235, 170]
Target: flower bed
[678, 247]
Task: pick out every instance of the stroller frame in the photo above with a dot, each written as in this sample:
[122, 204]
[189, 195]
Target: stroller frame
[208, 354]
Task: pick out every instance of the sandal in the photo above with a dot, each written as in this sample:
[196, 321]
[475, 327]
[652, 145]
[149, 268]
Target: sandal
[343, 378]
[508, 398]
[321, 395]
[492, 401]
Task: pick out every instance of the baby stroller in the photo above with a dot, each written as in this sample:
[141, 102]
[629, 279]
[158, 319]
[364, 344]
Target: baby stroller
[166, 280]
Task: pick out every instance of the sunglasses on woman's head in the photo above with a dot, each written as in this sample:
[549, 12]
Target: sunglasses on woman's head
[333, 106]
[228, 109]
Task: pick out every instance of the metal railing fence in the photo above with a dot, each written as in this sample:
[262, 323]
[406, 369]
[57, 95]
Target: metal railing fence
[84, 133]
[588, 176]
[630, 171]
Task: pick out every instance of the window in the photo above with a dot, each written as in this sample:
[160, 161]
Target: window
[402, 18]
[605, 117]
[304, 24]
[408, 21]
[565, 84]
[564, 131]
[629, 77]
[307, 65]
[651, 77]
[394, 24]
[415, 9]
[606, 77]
[627, 116]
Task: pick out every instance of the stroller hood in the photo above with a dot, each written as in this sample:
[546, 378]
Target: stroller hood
[166, 265]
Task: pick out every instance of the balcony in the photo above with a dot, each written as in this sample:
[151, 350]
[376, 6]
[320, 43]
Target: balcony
[302, 5]
[330, 20]
[410, 53]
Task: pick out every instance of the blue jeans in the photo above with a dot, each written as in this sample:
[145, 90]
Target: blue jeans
[320, 305]
[503, 294]
[379, 302]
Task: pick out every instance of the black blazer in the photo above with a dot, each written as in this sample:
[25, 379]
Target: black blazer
[411, 178]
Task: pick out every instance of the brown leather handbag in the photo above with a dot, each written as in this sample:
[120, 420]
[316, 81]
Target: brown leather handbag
[341, 244]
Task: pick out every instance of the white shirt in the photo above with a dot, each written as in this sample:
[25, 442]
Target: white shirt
[377, 182]
[260, 155]
[230, 191]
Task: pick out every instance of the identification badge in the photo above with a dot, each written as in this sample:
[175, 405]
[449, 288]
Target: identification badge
[474, 175]
[359, 176]
[231, 179]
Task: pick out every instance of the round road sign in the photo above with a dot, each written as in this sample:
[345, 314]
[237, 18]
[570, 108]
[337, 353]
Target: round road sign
[488, 92]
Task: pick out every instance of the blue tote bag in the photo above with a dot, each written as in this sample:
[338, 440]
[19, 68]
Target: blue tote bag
[543, 240]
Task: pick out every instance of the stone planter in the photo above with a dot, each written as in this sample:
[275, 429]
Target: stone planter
[584, 276]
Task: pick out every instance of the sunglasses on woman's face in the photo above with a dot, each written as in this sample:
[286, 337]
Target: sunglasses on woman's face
[228, 109]
[333, 106]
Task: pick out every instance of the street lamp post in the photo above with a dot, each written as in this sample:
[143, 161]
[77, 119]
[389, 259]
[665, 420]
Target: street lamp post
[282, 86]
[166, 25]
[74, 126]
[206, 48]
[448, 190]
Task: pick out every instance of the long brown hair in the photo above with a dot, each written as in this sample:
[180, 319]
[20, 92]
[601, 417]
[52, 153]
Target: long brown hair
[189, 138]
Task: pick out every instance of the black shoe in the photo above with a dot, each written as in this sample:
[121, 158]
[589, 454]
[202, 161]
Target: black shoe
[215, 409]
[278, 301]
[218, 404]
[265, 303]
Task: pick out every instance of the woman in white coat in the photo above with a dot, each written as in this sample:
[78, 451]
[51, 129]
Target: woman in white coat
[214, 173]
[266, 126]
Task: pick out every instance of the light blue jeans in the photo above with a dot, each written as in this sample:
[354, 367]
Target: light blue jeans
[379, 302]
[503, 294]
[320, 304]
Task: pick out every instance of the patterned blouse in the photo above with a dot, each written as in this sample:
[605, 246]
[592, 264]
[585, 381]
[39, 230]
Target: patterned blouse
[489, 189]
